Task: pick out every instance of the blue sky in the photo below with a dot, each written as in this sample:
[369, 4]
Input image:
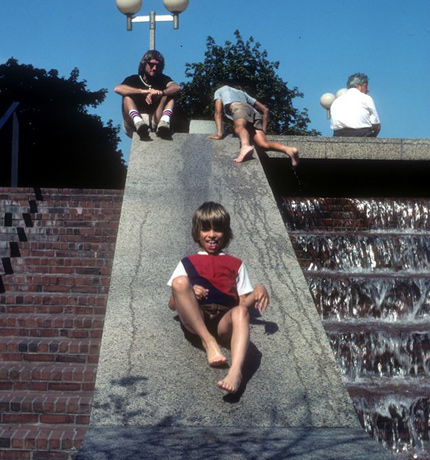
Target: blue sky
[318, 44]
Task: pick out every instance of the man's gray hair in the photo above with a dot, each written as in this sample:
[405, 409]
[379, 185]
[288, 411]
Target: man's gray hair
[356, 79]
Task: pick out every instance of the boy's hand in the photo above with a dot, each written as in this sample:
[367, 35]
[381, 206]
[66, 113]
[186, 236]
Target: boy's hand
[200, 292]
[261, 297]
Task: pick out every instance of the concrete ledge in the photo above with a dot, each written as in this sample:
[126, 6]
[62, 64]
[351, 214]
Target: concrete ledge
[354, 148]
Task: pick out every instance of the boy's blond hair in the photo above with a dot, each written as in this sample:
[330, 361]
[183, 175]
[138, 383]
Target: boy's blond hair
[214, 216]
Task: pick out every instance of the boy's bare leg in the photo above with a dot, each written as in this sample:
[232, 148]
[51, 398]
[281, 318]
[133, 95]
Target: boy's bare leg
[235, 325]
[261, 140]
[191, 317]
[246, 148]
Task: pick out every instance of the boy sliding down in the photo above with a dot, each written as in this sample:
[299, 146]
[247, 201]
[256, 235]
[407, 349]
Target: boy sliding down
[250, 119]
[212, 293]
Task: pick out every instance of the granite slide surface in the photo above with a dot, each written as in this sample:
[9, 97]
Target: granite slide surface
[155, 395]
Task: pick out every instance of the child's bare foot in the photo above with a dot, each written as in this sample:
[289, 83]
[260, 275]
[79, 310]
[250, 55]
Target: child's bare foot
[214, 355]
[244, 154]
[231, 382]
[293, 153]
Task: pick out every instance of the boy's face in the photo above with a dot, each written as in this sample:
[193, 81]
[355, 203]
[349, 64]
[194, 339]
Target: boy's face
[211, 240]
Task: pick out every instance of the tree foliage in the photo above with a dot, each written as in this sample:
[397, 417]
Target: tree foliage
[60, 143]
[243, 64]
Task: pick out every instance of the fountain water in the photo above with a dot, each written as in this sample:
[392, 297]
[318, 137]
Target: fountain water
[367, 266]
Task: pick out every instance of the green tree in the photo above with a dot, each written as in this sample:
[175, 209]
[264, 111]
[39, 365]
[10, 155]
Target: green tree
[243, 64]
[60, 143]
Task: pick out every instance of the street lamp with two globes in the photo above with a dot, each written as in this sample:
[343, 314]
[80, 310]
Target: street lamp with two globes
[327, 99]
[131, 7]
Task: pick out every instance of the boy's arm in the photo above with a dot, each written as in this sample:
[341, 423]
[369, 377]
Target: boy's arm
[218, 120]
[258, 298]
[264, 112]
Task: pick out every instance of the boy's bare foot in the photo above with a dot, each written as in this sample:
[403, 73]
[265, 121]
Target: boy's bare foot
[293, 153]
[214, 355]
[244, 154]
[231, 382]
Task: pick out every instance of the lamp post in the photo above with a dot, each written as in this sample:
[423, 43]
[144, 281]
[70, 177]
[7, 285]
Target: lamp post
[327, 99]
[131, 7]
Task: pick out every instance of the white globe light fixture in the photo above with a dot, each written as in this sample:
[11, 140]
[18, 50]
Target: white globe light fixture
[131, 7]
[340, 92]
[176, 7]
[326, 100]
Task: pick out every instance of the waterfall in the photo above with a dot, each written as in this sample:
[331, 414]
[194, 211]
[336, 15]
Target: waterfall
[367, 266]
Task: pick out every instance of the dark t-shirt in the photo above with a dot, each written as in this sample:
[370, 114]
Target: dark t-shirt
[160, 82]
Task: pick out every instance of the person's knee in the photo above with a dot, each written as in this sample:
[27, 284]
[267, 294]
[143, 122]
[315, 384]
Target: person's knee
[262, 142]
[180, 283]
[169, 103]
[240, 314]
[128, 103]
[238, 128]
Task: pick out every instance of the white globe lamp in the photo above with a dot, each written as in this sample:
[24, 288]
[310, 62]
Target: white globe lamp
[175, 7]
[341, 91]
[129, 6]
[327, 99]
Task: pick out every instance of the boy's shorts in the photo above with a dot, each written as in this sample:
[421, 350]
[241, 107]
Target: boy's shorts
[212, 314]
[240, 110]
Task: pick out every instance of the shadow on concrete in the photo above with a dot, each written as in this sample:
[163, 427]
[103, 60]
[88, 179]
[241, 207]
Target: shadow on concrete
[135, 387]
[228, 443]
[252, 360]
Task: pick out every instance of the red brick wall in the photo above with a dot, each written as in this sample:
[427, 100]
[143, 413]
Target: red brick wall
[56, 250]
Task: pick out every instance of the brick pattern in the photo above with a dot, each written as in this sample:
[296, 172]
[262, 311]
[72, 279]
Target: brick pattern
[56, 253]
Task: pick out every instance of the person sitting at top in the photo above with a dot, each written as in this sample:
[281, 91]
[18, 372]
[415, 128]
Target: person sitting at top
[354, 113]
[148, 98]
[212, 293]
[250, 119]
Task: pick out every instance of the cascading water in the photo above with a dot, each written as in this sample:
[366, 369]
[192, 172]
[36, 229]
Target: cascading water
[367, 266]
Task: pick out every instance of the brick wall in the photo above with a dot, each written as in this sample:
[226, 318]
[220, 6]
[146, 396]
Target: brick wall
[56, 250]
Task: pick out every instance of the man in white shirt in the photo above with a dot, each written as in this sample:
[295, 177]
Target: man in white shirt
[354, 113]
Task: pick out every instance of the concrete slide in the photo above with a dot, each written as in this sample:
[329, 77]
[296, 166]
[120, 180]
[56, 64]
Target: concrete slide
[156, 398]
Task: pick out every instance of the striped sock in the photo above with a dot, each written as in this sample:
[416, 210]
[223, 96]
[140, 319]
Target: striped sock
[135, 116]
[166, 115]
